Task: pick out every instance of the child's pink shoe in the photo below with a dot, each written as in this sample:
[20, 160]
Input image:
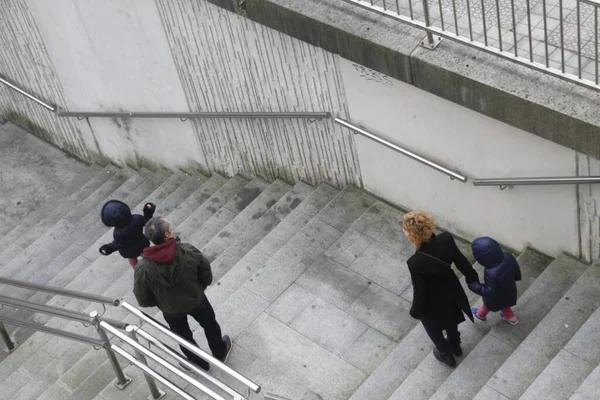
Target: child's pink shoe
[474, 310]
[512, 320]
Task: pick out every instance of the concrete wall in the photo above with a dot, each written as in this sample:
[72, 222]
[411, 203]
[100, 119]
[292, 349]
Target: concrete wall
[179, 56]
[545, 217]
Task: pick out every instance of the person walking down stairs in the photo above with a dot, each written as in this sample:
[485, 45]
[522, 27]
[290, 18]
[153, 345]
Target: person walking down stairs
[439, 300]
[499, 289]
[128, 234]
[173, 276]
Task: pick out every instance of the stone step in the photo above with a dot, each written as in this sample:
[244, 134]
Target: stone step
[252, 225]
[589, 388]
[403, 360]
[54, 240]
[80, 237]
[489, 353]
[24, 240]
[548, 338]
[51, 210]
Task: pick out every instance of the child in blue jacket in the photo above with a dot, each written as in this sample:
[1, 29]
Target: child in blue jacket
[129, 239]
[499, 288]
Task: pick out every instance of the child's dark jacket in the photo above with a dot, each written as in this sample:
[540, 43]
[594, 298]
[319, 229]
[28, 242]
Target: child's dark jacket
[499, 289]
[128, 235]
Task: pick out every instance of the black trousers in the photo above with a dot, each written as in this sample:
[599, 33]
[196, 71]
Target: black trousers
[436, 334]
[205, 315]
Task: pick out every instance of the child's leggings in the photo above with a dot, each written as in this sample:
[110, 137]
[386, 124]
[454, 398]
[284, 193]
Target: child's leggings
[482, 311]
[133, 262]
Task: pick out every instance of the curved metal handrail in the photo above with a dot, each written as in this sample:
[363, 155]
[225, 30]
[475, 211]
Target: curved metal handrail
[408, 153]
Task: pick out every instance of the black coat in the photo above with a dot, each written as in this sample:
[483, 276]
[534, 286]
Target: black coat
[128, 234]
[439, 299]
[498, 289]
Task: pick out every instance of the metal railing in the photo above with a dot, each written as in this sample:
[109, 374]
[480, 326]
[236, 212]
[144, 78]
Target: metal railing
[509, 182]
[60, 291]
[183, 116]
[251, 386]
[567, 49]
[409, 154]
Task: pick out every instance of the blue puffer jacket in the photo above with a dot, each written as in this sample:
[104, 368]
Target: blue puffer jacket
[499, 289]
[128, 235]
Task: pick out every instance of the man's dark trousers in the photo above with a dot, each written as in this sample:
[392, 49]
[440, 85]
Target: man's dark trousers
[205, 315]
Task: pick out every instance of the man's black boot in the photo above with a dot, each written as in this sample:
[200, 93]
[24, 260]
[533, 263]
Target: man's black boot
[446, 358]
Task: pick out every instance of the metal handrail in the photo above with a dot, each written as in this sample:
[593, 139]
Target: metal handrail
[183, 360]
[54, 331]
[194, 349]
[180, 115]
[28, 95]
[409, 154]
[188, 115]
[147, 370]
[56, 311]
[60, 291]
[138, 347]
[567, 180]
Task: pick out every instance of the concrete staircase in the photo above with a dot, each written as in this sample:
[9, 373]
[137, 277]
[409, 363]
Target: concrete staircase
[311, 283]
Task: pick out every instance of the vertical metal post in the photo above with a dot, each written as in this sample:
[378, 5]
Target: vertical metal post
[155, 392]
[122, 380]
[431, 41]
[7, 340]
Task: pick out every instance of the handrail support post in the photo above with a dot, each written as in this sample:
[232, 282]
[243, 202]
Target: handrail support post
[122, 380]
[430, 42]
[10, 345]
[155, 392]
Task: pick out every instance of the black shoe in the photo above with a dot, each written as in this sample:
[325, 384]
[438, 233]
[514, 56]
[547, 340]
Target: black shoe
[456, 349]
[446, 358]
[228, 347]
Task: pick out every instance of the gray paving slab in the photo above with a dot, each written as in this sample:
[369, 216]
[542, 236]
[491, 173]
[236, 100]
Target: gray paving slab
[383, 311]
[588, 390]
[346, 208]
[14, 383]
[384, 266]
[333, 282]
[415, 386]
[549, 384]
[285, 356]
[350, 246]
[293, 259]
[23, 352]
[328, 326]
[249, 228]
[298, 218]
[369, 350]
[95, 382]
[32, 173]
[246, 195]
[549, 336]
[531, 308]
[383, 223]
[239, 228]
[56, 392]
[585, 344]
[83, 369]
[239, 311]
[202, 236]
[50, 212]
[291, 303]
[487, 393]
[203, 213]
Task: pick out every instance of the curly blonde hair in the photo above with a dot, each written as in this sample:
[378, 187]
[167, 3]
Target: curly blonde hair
[419, 226]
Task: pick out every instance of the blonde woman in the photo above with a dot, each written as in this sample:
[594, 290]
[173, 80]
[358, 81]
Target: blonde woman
[439, 300]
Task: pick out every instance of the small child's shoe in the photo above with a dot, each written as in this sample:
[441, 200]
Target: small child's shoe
[474, 311]
[513, 320]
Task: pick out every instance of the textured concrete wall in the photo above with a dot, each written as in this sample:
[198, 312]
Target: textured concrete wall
[178, 56]
[589, 208]
[24, 59]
